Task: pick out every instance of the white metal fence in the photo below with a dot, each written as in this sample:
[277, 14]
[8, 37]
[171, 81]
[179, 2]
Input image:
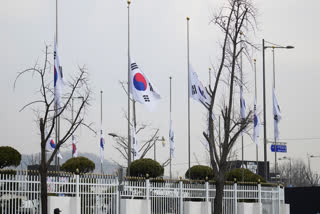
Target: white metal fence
[101, 194]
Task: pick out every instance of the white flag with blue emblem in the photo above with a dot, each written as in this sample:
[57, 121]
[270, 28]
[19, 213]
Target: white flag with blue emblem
[58, 79]
[141, 88]
[171, 139]
[135, 144]
[243, 112]
[101, 146]
[256, 123]
[197, 91]
[276, 115]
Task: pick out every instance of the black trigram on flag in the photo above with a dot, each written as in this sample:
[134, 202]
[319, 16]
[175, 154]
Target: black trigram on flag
[134, 66]
[146, 98]
[194, 89]
[151, 89]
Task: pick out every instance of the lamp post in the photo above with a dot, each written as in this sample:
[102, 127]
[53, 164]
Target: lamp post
[288, 158]
[264, 101]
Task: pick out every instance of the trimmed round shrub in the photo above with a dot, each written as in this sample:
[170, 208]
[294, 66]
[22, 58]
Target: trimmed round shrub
[9, 157]
[82, 163]
[248, 175]
[200, 172]
[141, 167]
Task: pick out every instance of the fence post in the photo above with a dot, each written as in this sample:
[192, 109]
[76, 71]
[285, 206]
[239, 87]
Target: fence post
[180, 195]
[259, 197]
[118, 198]
[207, 190]
[147, 188]
[207, 196]
[77, 185]
[279, 199]
[78, 200]
[235, 187]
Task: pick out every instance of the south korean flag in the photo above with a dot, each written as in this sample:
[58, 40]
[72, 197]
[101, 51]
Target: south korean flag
[197, 91]
[141, 88]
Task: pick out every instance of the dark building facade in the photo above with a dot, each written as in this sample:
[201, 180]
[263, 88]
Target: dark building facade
[252, 166]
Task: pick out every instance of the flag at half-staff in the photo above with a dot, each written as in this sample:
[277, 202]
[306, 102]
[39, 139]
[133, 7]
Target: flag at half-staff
[101, 146]
[74, 147]
[243, 112]
[141, 88]
[276, 115]
[58, 79]
[256, 123]
[51, 146]
[171, 139]
[197, 91]
[135, 144]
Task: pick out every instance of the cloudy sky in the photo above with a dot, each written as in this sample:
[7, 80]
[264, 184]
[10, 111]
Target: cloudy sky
[94, 33]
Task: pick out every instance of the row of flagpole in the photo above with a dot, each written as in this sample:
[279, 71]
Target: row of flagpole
[142, 91]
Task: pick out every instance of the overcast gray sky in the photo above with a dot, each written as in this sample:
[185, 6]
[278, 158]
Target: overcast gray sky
[94, 33]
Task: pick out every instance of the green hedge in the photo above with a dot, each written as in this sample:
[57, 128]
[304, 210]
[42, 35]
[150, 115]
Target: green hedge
[248, 175]
[200, 172]
[9, 157]
[82, 163]
[141, 167]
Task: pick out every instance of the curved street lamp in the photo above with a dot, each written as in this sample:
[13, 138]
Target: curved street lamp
[264, 101]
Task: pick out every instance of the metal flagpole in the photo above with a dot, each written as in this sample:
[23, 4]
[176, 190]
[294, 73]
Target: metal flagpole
[255, 97]
[275, 139]
[264, 112]
[101, 127]
[210, 76]
[170, 131]
[129, 136]
[241, 88]
[189, 147]
[56, 107]
[57, 21]
[72, 103]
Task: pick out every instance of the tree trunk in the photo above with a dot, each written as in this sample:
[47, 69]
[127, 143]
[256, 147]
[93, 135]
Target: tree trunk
[218, 200]
[44, 190]
[43, 171]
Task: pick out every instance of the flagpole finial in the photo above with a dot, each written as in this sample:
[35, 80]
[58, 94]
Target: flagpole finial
[209, 69]
[188, 18]
[129, 2]
[254, 60]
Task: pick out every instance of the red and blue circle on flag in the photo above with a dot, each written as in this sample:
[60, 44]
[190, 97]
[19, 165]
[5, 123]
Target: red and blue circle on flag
[139, 82]
[52, 144]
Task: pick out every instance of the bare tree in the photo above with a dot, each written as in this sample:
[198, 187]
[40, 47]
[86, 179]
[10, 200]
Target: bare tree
[235, 18]
[47, 115]
[32, 159]
[313, 178]
[296, 173]
[145, 145]
[122, 143]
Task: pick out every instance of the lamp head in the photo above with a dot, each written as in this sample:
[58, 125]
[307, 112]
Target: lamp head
[289, 47]
[113, 134]
[163, 141]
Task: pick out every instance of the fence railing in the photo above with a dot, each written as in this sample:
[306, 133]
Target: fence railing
[20, 193]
